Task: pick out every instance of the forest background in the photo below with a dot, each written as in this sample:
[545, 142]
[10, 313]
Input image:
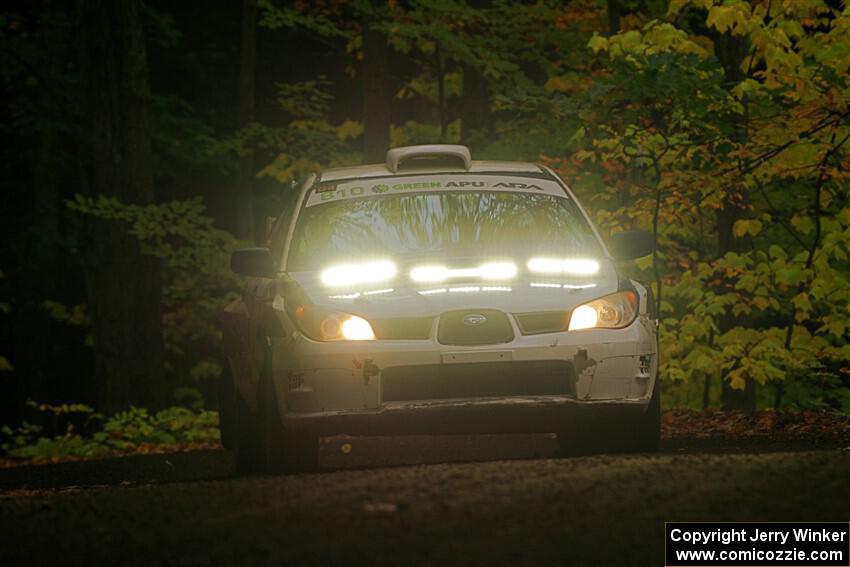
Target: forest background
[145, 141]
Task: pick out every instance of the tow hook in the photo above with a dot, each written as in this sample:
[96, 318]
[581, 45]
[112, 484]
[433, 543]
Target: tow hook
[645, 361]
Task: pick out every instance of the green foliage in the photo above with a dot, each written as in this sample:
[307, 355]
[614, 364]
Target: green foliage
[197, 280]
[655, 140]
[131, 431]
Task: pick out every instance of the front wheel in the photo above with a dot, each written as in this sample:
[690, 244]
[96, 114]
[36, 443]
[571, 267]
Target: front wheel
[226, 393]
[644, 434]
[279, 450]
[585, 437]
[647, 434]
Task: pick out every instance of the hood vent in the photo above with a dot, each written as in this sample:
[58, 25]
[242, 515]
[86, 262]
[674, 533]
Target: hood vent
[427, 157]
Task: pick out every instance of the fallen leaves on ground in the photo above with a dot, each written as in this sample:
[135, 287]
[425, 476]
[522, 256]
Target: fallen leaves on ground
[766, 424]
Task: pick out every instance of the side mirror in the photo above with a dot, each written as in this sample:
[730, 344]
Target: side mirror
[255, 262]
[631, 244]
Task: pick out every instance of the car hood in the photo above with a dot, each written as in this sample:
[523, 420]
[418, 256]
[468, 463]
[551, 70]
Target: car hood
[403, 298]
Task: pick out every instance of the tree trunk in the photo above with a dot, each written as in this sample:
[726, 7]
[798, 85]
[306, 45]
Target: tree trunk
[474, 104]
[123, 285]
[441, 92]
[376, 96]
[614, 10]
[243, 195]
[731, 51]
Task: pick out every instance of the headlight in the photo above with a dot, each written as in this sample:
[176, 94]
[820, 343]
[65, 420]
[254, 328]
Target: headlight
[321, 325]
[613, 311]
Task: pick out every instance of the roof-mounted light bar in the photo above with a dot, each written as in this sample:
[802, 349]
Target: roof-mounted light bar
[396, 156]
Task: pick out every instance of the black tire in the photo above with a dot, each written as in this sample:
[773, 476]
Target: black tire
[588, 437]
[280, 450]
[226, 393]
[250, 430]
[246, 437]
[644, 434]
[647, 434]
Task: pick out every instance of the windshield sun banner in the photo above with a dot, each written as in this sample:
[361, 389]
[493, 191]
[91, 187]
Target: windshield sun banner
[360, 188]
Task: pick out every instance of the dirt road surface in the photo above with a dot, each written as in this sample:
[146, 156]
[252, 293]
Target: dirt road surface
[515, 504]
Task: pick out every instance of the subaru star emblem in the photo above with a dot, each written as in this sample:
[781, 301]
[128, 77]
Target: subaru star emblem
[474, 319]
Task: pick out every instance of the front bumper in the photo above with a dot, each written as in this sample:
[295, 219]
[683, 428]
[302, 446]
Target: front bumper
[337, 388]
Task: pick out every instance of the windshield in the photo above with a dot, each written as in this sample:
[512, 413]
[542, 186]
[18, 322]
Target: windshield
[416, 226]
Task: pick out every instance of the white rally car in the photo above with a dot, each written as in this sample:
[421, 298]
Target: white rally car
[437, 294]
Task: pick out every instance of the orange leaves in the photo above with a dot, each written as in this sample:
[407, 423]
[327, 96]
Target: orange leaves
[773, 425]
[580, 15]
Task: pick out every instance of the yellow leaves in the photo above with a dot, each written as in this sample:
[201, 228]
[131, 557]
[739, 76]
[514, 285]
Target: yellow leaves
[74, 316]
[284, 168]
[746, 87]
[803, 304]
[655, 37]
[803, 223]
[675, 7]
[744, 227]
[597, 43]
[350, 129]
[734, 18]
[5, 365]
[558, 84]
[665, 37]
[737, 379]
[567, 83]
[777, 252]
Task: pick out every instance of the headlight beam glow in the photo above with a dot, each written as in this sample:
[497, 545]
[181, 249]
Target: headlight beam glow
[347, 275]
[583, 317]
[492, 271]
[357, 329]
[568, 266]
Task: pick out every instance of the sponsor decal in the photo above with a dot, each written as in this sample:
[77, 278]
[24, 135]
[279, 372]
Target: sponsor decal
[337, 191]
[518, 186]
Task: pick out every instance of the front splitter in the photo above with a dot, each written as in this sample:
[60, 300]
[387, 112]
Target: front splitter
[465, 417]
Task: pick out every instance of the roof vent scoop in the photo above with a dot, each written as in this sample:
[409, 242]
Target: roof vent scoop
[434, 155]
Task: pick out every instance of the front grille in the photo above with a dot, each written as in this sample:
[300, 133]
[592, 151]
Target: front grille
[542, 322]
[474, 327]
[402, 327]
[480, 379]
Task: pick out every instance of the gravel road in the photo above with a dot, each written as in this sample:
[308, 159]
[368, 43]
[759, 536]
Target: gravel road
[515, 505]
